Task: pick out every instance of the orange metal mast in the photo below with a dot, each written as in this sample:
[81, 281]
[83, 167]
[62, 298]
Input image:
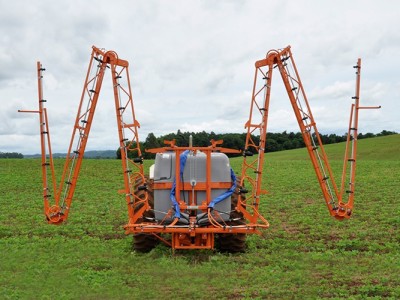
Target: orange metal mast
[128, 126]
[258, 120]
[45, 142]
[350, 158]
[283, 60]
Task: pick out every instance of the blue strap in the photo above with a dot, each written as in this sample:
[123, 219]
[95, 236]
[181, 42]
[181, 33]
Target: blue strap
[182, 163]
[226, 194]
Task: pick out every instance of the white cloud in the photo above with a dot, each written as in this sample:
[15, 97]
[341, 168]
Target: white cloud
[192, 63]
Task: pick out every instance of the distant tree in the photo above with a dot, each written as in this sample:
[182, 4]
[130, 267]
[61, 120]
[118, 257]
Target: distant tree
[212, 135]
[232, 140]
[201, 139]
[150, 143]
[11, 155]
[365, 136]
[272, 145]
[386, 132]
[181, 139]
[324, 138]
[283, 139]
[274, 141]
[296, 143]
[334, 138]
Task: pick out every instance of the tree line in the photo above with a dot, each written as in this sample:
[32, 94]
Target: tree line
[11, 155]
[275, 141]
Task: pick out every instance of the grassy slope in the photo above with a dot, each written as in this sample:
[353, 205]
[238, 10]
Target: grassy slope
[379, 148]
[305, 254]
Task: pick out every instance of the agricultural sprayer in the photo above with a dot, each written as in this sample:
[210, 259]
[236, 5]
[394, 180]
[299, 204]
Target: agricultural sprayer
[191, 198]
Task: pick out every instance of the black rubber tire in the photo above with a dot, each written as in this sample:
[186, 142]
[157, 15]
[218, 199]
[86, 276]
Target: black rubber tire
[233, 242]
[145, 242]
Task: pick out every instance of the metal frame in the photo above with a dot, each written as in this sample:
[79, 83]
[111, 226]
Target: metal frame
[100, 61]
[191, 235]
[284, 62]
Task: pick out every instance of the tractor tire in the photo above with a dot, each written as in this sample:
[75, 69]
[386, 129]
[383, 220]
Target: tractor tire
[145, 242]
[233, 242]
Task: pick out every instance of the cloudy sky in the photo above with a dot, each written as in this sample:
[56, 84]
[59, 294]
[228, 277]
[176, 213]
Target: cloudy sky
[192, 64]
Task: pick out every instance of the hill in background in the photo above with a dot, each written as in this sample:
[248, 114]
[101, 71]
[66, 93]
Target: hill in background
[374, 148]
[88, 154]
[377, 148]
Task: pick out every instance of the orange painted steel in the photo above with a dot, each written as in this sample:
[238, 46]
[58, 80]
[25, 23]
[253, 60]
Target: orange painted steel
[284, 62]
[350, 158]
[191, 235]
[127, 124]
[45, 143]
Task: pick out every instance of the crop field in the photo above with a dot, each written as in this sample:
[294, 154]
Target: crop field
[305, 254]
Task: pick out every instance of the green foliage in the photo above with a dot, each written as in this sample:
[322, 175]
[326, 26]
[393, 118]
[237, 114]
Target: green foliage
[305, 254]
[275, 141]
[11, 155]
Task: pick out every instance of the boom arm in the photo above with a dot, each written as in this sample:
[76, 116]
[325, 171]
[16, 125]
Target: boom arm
[283, 60]
[128, 126]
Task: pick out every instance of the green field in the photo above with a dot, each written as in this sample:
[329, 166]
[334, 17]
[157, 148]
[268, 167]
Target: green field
[305, 254]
